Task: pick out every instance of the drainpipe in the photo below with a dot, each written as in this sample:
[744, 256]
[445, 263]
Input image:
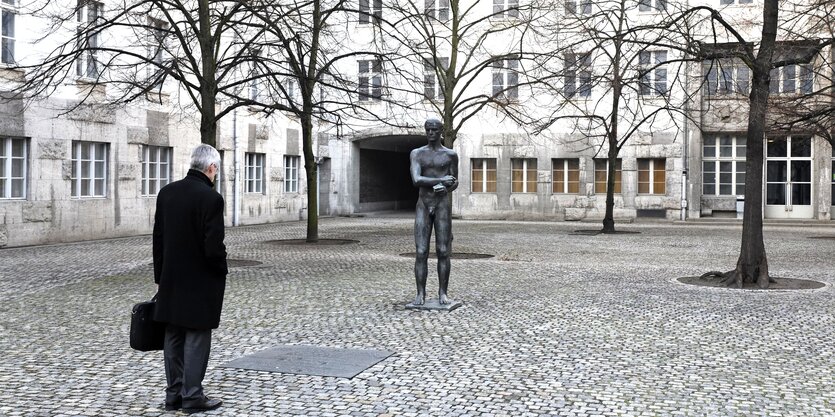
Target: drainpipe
[235, 165]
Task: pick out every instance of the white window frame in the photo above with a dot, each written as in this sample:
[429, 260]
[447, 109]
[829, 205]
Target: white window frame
[156, 48]
[291, 173]
[506, 79]
[731, 2]
[525, 167]
[506, 9]
[652, 6]
[156, 173]
[563, 164]
[791, 79]
[652, 168]
[87, 64]
[7, 160]
[481, 164]
[652, 73]
[578, 7]
[577, 75]
[9, 11]
[370, 77]
[98, 154]
[735, 157]
[254, 167]
[432, 88]
[437, 10]
[726, 77]
[618, 170]
[370, 11]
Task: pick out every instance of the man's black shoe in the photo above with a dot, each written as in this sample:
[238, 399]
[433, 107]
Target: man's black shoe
[204, 405]
[174, 406]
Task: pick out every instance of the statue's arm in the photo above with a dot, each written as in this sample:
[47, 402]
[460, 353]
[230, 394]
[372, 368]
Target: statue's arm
[453, 170]
[417, 179]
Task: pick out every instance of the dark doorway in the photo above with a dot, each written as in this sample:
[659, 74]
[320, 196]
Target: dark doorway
[385, 180]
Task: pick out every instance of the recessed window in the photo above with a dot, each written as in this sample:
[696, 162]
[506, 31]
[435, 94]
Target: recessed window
[291, 173]
[7, 28]
[791, 79]
[14, 154]
[577, 75]
[370, 11]
[156, 168]
[566, 176]
[254, 172]
[508, 9]
[652, 176]
[523, 175]
[578, 7]
[723, 165]
[726, 77]
[601, 175]
[87, 14]
[652, 73]
[370, 80]
[652, 5]
[89, 169]
[437, 9]
[506, 79]
[484, 175]
[432, 87]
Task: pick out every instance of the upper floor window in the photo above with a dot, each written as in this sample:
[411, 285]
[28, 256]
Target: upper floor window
[578, 7]
[432, 87]
[506, 8]
[156, 168]
[650, 5]
[437, 9]
[371, 11]
[506, 78]
[484, 175]
[653, 73]
[577, 75]
[652, 176]
[14, 153]
[89, 169]
[523, 175]
[87, 64]
[254, 75]
[723, 165]
[726, 2]
[156, 48]
[791, 79]
[254, 172]
[566, 176]
[601, 175]
[291, 173]
[726, 77]
[370, 80]
[7, 29]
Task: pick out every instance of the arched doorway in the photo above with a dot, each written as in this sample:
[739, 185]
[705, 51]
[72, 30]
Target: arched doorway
[384, 179]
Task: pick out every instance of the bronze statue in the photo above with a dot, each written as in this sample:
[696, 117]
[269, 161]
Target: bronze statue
[434, 170]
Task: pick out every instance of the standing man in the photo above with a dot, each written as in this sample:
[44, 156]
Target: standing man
[434, 170]
[190, 272]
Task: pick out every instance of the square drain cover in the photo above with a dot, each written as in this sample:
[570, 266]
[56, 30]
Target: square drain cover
[310, 360]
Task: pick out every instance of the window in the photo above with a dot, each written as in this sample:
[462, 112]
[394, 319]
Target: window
[156, 168]
[723, 165]
[254, 75]
[432, 88]
[653, 73]
[506, 8]
[726, 2]
[566, 176]
[726, 77]
[369, 8]
[370, 80]
[8, 11]
[577, 75]
[484, 175]
[89, 169]
[652, 176]
[291, 174]
[791, 79]
[578, 7]
[13, 157]
[647, 5]
[601, 175]
[87, 64]
[156, 48]
[506, 78]
[254, 172]
[523, 175]
[439, 12]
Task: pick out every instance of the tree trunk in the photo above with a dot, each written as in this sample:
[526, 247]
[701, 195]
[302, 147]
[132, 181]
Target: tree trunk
[311, 169]
[752, 265]
[612, 138]
[208, 81]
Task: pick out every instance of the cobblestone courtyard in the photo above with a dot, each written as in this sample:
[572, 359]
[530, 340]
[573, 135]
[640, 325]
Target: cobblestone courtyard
[554, 324]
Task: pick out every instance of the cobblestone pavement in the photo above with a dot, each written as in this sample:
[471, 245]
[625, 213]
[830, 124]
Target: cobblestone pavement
[556, 324]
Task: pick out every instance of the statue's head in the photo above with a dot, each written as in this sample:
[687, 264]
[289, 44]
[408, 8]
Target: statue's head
[433, 129]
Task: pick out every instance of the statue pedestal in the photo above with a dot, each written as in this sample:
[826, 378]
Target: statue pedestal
[433, 304]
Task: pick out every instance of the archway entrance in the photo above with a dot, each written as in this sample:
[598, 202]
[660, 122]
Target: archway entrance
[385, 182]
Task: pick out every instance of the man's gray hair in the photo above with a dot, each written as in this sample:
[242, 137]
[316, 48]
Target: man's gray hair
[204, 155]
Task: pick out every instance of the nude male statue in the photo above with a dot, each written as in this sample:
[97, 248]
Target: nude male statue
[434, 170]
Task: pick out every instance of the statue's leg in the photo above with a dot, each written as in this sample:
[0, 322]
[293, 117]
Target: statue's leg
[423, 232]
[443, 242]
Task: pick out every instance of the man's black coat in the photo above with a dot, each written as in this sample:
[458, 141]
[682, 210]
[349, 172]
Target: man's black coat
[189, 254]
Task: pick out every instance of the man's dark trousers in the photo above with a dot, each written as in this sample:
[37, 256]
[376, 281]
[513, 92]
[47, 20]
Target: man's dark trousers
[186, 353]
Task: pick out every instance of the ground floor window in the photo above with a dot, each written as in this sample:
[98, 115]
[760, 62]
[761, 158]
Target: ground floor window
[723, 165]
[156, 168]
[89, 169]
[652, 176]
[523, 175]
[601, 175]
[484, 175]
[291, 173]
[254, 172]
[566, 176]
[13, 156]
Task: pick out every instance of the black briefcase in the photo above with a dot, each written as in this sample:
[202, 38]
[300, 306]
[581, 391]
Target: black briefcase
[145, 333]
